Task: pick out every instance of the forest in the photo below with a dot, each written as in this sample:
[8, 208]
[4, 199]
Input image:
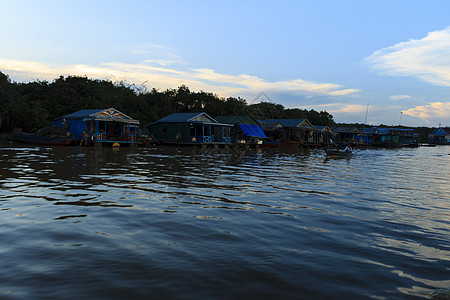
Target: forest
[36, 104]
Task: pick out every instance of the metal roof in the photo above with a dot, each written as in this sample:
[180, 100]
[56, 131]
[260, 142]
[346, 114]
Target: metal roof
[441, 131]
[184, 117]
[237, 120]
[286, 122]
[385, 131]
[346, 129]
[82, 113]
[108, 114]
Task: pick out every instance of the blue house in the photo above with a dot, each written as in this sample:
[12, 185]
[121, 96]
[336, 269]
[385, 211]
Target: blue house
[401, 137]
[106, 126]
[440, 136]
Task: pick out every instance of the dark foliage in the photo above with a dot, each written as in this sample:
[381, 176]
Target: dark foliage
[35, 104]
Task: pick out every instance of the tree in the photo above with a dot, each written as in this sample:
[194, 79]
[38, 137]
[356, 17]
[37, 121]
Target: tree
[266, 110]
[36, 104]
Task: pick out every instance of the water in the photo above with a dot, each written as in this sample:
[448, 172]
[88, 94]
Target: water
[169, 223]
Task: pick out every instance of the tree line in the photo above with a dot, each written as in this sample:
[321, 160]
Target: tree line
[36, 104]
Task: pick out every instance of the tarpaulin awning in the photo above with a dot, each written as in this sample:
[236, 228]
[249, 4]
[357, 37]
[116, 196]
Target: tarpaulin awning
[252, 130]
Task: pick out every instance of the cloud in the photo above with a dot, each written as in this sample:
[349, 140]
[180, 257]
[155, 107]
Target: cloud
[399, 97]
[352, 108]
[426, 58]
[432, 113]
[161, 55]
[162, 76]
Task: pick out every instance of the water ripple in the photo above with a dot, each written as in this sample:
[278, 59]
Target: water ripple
[182, 223]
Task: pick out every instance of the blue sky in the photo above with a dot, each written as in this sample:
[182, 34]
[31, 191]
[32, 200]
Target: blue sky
[392, 57]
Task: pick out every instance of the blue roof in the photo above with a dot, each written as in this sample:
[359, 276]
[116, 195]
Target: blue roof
[252, 130]
[184, 117]
[385, 131]
[370, 130]
[440, 131]
[82, 113]
[108, 114]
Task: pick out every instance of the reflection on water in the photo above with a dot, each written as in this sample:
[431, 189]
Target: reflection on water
[190, 223]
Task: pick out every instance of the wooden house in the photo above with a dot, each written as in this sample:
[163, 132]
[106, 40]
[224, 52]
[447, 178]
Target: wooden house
[324, 135]
[294, 132]
[440, 136]
[190, 129]
[245, 130]
[348, 134]
[106, 126]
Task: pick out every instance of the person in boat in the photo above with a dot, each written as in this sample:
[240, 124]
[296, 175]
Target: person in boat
[348, 149]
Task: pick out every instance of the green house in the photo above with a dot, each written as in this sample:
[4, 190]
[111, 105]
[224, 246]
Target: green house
[190, 129]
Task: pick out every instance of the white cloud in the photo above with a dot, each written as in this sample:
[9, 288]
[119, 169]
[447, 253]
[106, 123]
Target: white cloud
[432, 113]
[352, 108]
[399, 97]
[162, 77]
[159, 54]
[427, 58]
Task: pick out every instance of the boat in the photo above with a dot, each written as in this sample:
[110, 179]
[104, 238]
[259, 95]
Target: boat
[49, 135]
[337, 153]
[33, 138]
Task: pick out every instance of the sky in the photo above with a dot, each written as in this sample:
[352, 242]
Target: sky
[374, 62]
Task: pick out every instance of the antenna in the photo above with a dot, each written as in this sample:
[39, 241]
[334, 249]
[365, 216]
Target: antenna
[367, 111]
[400, 122]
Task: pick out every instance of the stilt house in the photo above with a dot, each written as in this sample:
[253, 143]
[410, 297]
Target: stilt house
[106, 126]
[190, 129]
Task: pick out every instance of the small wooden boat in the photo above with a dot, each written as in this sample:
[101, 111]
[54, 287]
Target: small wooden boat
[33, 138]
[337, 153]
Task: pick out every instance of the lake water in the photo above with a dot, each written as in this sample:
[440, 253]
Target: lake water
[181, 223]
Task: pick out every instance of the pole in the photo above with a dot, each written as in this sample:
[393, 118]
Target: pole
[400, 123]
[367, 111]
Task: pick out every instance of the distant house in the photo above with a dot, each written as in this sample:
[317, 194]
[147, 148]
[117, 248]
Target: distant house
[371, 136]
[389, 137]
[245, 130]
[266, 126]
[324, 135]
[294, 132]
[398, 137]
[101, 125]
[440, 136]
[190, 128]
[347, 134]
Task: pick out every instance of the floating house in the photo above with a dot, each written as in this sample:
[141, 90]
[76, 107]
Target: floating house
[293, 134]
[398, 137]
[324, 135]
[371, 136]
[106, 126]
[440, 136]
[348, 134]
[190, 129]
[245, 130]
